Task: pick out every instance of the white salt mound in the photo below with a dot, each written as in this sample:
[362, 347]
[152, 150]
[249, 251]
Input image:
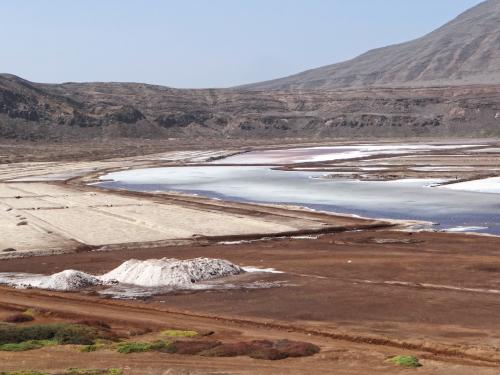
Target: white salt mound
[171, 272]
[67, 280]
[148, 273]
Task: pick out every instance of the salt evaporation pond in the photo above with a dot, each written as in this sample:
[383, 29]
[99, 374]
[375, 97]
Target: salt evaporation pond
[402, 199]
[326, 153]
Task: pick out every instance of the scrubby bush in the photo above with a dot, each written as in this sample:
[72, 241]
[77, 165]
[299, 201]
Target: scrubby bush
[98, 324]
[228, 350]
[190, 347]
[296, 348]
[179, 333]
[263, 349]
[405, 361]
[75, 335]
[19, 318]
[26, 345]
[139, 347]
[62, 333]
[98, 344]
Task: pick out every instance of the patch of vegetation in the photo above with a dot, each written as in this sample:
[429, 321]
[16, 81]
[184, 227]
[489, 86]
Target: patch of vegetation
[27, 345]
[31, 312]
[405, 361]
[99, 344]
[179, 333]
[190, 347]
[76, 335]
[263, 349]
[61, 333]
[89, 348]
[98, 324]
[19, 318]
[258, 349]
[140, 347]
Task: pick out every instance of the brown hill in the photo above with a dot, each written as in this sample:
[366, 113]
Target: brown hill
[89, 110]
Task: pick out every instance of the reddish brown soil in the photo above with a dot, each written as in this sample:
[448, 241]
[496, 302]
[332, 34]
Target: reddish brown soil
[335, 295]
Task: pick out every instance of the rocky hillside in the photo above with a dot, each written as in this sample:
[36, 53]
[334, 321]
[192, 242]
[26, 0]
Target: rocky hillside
[464, 51]
[78, 111]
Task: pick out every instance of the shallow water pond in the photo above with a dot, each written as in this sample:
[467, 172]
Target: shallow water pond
[402, 199]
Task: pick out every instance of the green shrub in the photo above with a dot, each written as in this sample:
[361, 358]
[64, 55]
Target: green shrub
[27, 345]
[405, 361]
[179, 333]
[62, 333]
[75, 335]
[140, 347]
[31, 312]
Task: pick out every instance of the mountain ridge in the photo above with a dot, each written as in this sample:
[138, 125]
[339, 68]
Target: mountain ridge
[463, 51]
[34, 111]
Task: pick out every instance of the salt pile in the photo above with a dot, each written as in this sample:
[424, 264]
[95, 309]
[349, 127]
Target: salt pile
[152, 273]
[68, 280]
[171, 272]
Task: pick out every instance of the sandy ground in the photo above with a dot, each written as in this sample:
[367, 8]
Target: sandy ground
[42, 216]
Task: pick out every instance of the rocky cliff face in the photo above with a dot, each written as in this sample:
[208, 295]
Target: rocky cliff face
[73, 110]
[464, 51]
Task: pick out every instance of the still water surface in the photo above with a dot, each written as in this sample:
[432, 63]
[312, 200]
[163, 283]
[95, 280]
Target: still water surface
[402, 199]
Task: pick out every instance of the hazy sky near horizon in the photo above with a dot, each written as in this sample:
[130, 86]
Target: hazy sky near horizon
[202, 43]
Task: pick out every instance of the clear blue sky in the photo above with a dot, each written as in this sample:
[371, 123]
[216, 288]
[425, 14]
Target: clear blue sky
[202, 43]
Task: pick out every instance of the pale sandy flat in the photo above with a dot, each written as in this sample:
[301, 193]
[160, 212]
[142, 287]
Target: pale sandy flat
[30, 237]
[60, 214]
[92, 227]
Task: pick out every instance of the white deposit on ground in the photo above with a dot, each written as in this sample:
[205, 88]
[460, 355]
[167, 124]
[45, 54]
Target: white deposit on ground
[465, 229]
[329, 153]
[152, 273]
[487, 185]
[171, 272]
[68, 280]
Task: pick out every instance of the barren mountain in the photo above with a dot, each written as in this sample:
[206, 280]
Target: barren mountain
[464, 51]
[88, 110]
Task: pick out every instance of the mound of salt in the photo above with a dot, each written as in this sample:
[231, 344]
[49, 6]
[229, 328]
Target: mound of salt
[171, 272]
[67, 280]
